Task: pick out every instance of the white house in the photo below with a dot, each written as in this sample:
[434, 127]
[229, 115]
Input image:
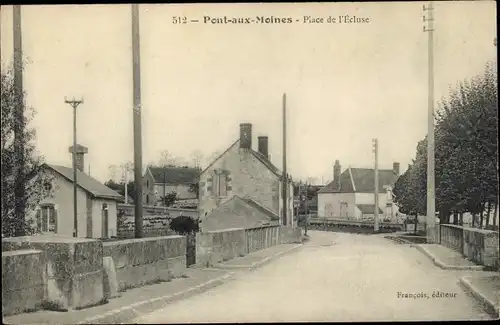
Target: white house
[351, 194]
[96, 204]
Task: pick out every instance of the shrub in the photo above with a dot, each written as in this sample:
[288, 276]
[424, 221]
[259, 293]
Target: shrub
[184, 225]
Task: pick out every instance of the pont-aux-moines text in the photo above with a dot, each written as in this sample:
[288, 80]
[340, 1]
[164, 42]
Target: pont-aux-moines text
[247, 20]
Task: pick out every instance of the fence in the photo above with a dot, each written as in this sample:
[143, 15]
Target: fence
[452, 236]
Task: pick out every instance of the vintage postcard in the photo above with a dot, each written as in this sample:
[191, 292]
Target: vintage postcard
[258, 162]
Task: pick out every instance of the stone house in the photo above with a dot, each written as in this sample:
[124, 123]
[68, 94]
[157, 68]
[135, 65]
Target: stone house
[242, 187]
[96, 204]
[159, 181]
[351, 194]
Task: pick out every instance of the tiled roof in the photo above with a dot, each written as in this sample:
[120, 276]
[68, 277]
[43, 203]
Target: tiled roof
[174, 175]
[89, 184]
[361, 180]
[259, 207]
[368, 208]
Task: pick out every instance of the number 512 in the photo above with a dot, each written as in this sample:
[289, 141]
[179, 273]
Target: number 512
[179, 20]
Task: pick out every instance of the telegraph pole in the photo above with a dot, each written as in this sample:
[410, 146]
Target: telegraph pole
[306, 209]
[285, 176]
[19, 125]
[74, 103]
[431, 203]
[375, 150]
[136, 73]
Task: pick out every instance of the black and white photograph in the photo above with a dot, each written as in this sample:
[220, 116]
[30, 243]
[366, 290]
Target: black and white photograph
[272, 162]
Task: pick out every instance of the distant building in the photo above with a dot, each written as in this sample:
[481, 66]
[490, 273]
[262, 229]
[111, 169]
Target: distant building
[351, 194]
[242, 188]
[96, 203]
[159, 181]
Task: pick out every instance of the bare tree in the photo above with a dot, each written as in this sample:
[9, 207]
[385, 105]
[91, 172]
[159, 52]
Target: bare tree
[212, 157]
[167, 159]
[196, 158]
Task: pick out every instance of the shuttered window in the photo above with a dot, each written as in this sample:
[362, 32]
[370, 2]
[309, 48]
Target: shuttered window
[222, 185]
[47, 219]
[38, 220]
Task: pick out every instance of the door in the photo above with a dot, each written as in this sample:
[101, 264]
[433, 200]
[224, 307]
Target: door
[105, 222]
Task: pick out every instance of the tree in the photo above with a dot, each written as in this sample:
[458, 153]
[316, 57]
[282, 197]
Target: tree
[466, 147]
[36, 180]
[195, 188]
[196, 158]
[466, 155]
[119, 187]
[184, 225]
[169, 199]
[167, 159]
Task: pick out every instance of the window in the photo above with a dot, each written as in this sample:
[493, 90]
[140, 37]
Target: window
[47, 219]
[221, 185]
[147, 183]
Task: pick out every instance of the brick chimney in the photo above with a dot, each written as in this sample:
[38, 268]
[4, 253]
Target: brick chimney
[80, 152]
[336, 174]
[395, 168]
[246, 136]
[263, 146]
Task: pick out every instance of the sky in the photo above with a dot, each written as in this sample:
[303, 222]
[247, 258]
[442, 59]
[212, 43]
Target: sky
[345, 83]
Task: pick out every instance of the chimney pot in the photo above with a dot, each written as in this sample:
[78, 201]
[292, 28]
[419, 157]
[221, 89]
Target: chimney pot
[395, 168]
[336, 174]
[246, 135]
[263, 146]
[80, 152]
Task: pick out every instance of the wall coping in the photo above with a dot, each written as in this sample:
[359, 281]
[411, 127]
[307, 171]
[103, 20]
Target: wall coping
[122, 205]
[483, 231]
[48, 239]
[139, 240]
[222, 230]
[22, 252]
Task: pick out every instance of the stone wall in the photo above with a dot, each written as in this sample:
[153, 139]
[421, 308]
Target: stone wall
[351, 226]
[481, 246]
[74, 268]
[138, 262]
[216, 246]
[24, 275]
[478, 245]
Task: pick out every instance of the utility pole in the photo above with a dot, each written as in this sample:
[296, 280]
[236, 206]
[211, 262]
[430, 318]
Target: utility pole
[431, 200]
[306, 210]
[74, 103]
[136, 76]
[285, 175]
[19, 125]
[375, 151]
[126, 185]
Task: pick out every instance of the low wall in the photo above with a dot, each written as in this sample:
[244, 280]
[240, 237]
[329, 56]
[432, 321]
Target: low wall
[261, 238]
[351, 226]
[216, 246]
[213, 247]
[74, 268]
[290, 235]
[478, 245]
[24, 275]
[146, 260]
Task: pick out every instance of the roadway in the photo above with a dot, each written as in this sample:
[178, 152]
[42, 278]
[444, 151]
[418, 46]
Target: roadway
[334, 277]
